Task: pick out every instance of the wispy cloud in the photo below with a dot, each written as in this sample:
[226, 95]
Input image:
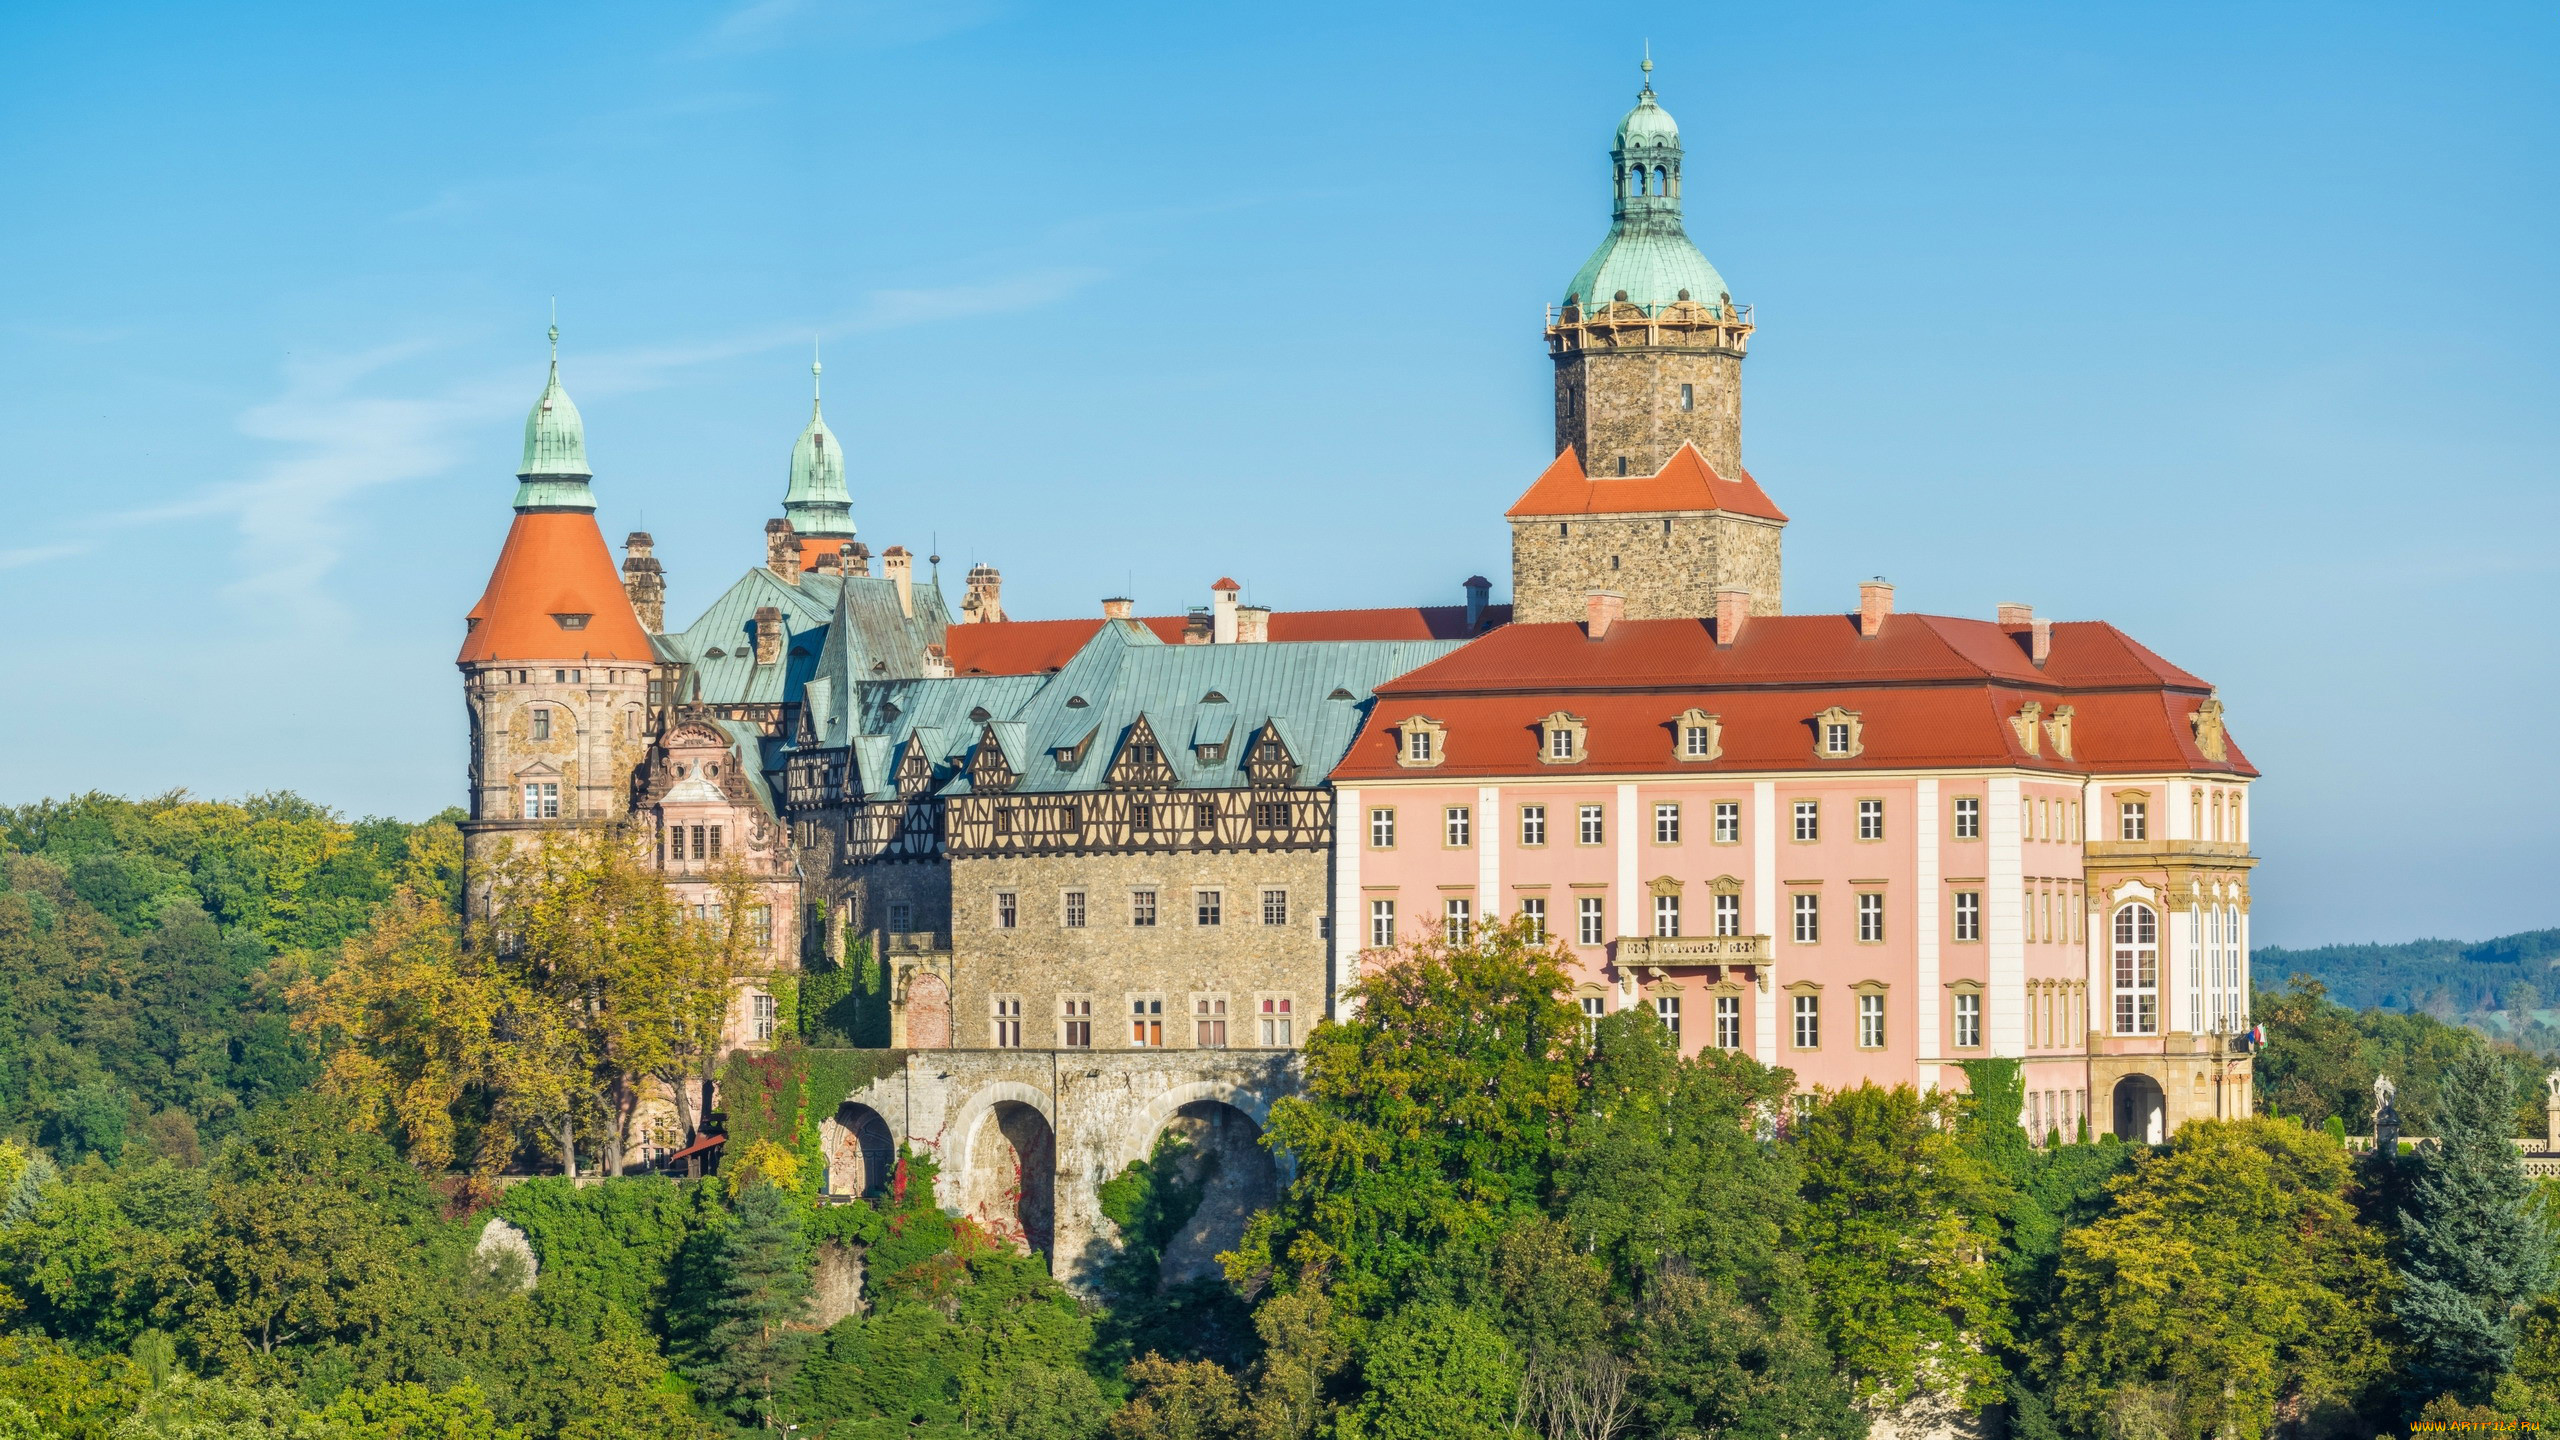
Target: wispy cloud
[867, 24]
[37, 554]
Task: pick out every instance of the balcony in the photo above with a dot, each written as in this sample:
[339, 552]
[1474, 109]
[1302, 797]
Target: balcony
[918, 942]
[1669, 950]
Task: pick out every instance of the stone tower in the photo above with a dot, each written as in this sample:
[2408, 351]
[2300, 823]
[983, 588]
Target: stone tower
[817, 507]
[1648, 344]
[555, 662]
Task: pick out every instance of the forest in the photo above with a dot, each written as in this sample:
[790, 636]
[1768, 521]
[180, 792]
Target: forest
[262, 1091]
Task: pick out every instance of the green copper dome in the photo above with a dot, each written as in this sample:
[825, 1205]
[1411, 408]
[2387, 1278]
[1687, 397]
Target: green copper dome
[1647, 257]
[554, 474]
[817, 503]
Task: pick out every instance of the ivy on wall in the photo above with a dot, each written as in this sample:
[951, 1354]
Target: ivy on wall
[782, 1096]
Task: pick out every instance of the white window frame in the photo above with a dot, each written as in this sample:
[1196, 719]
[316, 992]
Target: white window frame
[1592, 824]
[1534, 909]
[1666, 823]
[1968, 1020]
[1458, 826]
[1807, 911]
[1666, 1008]
[1807, 1014]
[1870, 917]
[1728, 910]
[1871, 819]
[1533, 825]
[1666, 916]
[1728, 1022]
[1382, 827]
[1968, 817]
[1591, 919]
[1808, 820]
[1382, 924]
[1968, 916]
[1871, 1034]
[1457, 919]
[1728, 822]
[2135, 969]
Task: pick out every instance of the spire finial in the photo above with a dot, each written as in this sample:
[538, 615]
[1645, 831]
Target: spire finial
[555, 332]
[815, 369]
[1648, 67]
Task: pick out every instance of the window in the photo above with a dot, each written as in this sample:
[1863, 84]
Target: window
[1968, 915]
[542, 801]
[1594, 1009]
[1455, 920]
[1208, 907]
[715, 842]
[1146, 1023]
[1534, 910]
[1460, 824]
[1142, 907]
[760, 925]
[1697, 742]
[1533, 824]
[1276, 1023]
[1382, 829]
[1870, 1021]
[2137, 970]
[1267, 815]
[1728, 915]
[1835, 737]
[1008, 910]
[1666, 824]
[1808, 819]
[1595, 829]
[1968, 1020]
[1075, 909]
[1870, 819]
[1728, 822]
[1417, 746]
[1382, 923]
[901, 917]
[1968, 817]
[1589, 926]
[1688, 398]
[698, 842]
[1559, 742]
[1666, 1008]
[1077, 1017]
[2133, 820]
[1808, 1012]
[1808, 907]
[1007, 1022]
[1142, 813]
[541, 723]
[1209, 1023]
[1870, 917]
[1666, 916]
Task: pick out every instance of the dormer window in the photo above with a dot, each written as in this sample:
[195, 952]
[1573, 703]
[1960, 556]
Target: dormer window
[1562, 739]
[1698, 736]
[1420, 742]
[1838, 734]
[571, 622]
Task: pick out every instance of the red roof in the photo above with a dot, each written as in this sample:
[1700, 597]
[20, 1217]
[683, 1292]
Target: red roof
[1029, 647]
[554, 563]
[1685, 482]
[1932, 691]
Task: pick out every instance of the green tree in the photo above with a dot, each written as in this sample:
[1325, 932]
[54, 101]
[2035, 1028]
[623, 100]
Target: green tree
[1899, 1230]
[1429, 1117]
[752, 1342]
[2474, 1249]
[1434, 1371]
[2230, 1273]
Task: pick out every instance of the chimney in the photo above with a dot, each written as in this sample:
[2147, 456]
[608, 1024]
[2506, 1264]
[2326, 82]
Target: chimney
[2014, 616]
[899, 566]
[645, 581]
[1253, 624]
[768, 634]
[854, 558]
[1602, 609]
[1222, 610]
[1197, 628]
[1875, 601]
[985, 602]
[782, 550]
[2040, 641]
[1479, 590]
[1733, 606]
[1115, 608]
[830, 562]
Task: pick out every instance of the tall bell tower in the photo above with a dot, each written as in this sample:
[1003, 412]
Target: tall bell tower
[1648, 343]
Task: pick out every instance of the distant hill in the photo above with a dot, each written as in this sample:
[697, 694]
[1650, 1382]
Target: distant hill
[2421, 974]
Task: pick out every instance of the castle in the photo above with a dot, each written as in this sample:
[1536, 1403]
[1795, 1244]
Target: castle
[1860, 843]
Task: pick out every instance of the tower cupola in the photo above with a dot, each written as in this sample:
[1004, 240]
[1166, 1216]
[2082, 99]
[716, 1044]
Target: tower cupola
[554, 474]
[1647, 258]
[818, 505]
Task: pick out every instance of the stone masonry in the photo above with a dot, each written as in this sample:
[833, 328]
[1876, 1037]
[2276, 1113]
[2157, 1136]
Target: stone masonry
[1619, 374]
[1666, 564]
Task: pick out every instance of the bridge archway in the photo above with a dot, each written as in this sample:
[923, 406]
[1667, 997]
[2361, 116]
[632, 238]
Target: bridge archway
[861, 1151]
[1009, 1165]
[1217, 1135]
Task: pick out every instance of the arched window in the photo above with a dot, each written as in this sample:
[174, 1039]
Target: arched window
[1661, 181]
[1639, 179]
[2137, 970]
[2196, 968]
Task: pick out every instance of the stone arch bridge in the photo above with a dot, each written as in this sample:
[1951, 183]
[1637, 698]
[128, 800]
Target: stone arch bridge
[1026, 1138]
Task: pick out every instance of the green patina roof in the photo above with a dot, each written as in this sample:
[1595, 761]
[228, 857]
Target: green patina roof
[818, 504]
[1647, 254]
[554, 474]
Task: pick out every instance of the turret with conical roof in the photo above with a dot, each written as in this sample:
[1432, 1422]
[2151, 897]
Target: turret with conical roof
[554, 474]
[818, 505]
[1648, 343]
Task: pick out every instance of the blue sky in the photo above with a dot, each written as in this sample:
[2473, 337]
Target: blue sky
[2228, 323]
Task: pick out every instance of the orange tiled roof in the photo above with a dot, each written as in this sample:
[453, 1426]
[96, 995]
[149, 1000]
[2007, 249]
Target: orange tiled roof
[1029, 647]
[1685, 482]
[554, 563]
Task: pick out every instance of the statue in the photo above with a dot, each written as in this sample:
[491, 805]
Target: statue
[2551, 1082]
[2386, 1117]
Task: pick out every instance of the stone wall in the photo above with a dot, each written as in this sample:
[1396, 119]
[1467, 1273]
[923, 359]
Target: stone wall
[1114, 962]
[1622, 406]
[1666, 565]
